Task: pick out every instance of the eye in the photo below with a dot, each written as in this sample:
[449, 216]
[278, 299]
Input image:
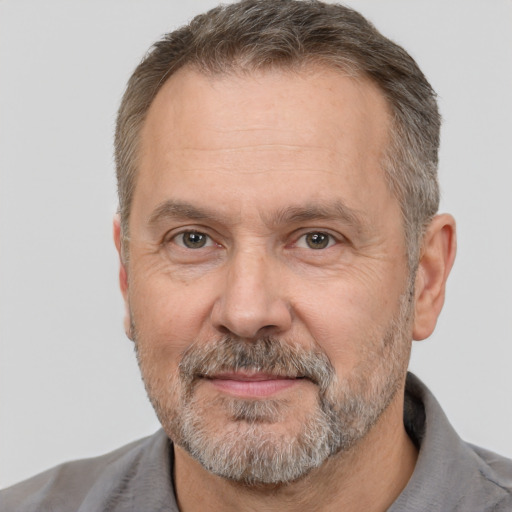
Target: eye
[316, 240]
[193, 240]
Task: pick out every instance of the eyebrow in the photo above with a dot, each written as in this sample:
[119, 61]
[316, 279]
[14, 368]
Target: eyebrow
[336, 210]
[295, 214]
[171, 209]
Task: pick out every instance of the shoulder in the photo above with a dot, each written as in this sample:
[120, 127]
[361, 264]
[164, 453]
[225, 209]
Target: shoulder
[97, 480]
[496, 471]
[449, 474]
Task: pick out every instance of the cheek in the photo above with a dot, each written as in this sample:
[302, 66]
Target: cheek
[168, 316]
[348, 321]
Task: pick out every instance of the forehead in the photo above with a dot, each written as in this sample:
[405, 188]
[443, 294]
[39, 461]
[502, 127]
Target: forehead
[195, 106]
[317, 132]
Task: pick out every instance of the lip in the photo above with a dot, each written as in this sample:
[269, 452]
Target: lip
[252, 384]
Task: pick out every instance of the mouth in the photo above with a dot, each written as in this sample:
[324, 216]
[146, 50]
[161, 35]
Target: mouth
[246, 384]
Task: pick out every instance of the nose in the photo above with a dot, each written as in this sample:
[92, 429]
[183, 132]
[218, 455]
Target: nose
[251, 302]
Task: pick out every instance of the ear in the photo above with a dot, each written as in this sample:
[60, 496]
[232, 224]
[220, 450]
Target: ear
[436, 260]
[123, 274]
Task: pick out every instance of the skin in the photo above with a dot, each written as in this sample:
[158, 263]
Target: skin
[256, 162]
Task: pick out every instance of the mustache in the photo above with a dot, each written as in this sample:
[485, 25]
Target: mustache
[265, 355]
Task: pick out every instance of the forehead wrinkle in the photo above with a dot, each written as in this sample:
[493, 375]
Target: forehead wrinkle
[336, 210]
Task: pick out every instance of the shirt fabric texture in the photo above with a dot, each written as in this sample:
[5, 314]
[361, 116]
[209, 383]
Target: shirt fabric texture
[450, 475]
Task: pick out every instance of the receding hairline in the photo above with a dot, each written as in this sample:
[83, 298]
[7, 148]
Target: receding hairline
[309, 66]
[300, 71]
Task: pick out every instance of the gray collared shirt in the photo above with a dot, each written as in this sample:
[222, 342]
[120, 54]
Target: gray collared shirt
[450, 475]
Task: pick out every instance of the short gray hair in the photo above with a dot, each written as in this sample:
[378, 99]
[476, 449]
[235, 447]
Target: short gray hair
[253, 35]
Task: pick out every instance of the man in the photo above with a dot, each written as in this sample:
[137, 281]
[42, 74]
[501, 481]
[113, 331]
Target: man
[279, 250]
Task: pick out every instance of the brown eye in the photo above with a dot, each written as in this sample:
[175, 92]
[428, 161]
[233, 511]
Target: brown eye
[317, 240]
[193, 240]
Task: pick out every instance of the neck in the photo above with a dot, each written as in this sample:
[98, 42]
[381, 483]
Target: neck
[368, 477]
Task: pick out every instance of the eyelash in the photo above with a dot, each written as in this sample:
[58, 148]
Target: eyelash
[208, 242]
[318, 238]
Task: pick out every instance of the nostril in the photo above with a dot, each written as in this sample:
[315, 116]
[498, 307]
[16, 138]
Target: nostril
[223, 330]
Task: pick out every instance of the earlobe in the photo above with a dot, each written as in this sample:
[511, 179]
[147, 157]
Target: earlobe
[436, 260]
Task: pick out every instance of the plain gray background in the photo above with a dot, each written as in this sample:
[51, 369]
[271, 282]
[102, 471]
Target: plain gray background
[69, 385]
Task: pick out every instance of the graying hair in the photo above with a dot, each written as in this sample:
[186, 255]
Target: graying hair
[254, 35]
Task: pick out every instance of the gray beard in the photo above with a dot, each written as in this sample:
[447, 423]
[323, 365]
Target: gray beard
[249, 450]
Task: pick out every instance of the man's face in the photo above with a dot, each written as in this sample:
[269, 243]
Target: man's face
[267, 283]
